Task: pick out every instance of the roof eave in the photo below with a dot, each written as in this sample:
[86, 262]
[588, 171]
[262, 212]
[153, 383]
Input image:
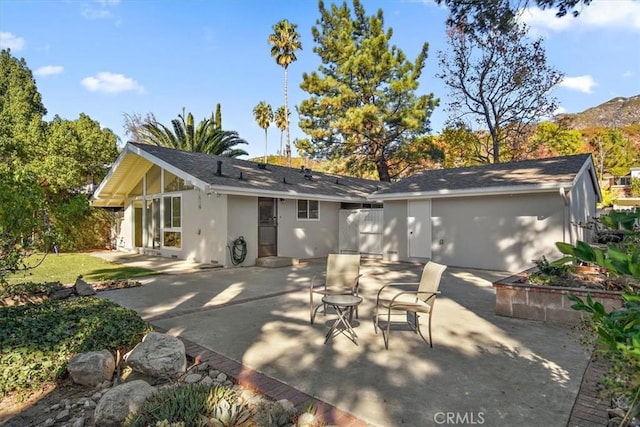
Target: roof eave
[494, 191]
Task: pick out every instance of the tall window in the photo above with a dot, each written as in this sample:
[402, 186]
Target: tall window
[308, 209]
[172, 235]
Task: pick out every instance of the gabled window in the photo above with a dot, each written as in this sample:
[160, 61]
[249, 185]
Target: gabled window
[308, 209]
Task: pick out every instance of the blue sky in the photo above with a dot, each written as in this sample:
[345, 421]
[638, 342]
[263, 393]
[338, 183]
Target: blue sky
[106, 58]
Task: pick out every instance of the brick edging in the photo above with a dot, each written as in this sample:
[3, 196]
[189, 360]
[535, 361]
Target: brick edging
[589, 410]
[270, 387]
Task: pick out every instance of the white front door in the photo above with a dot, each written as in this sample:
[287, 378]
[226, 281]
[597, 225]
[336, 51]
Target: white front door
[419, 228]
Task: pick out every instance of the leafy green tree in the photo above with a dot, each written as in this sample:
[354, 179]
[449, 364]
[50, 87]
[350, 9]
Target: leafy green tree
[185, 135]
[363, 104]
[553, 140]
[281, 119]
[285, 41]
[21, 112]
[21, 204]
[462, 146]
[75, 153]
[499, 80]
[613, 153]
[264, 116]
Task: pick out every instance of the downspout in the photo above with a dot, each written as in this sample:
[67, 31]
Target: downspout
[566, 217]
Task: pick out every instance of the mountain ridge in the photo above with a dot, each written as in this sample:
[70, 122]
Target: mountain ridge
[616, 113]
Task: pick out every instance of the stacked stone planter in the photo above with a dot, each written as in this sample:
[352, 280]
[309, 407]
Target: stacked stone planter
[547, 303]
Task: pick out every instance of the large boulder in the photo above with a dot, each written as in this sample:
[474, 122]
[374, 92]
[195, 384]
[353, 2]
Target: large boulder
[158, 355]
[83, 289]
[117, 403]
[91, 368]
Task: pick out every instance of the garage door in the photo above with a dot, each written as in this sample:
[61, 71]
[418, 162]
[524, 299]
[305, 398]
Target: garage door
[504, 233]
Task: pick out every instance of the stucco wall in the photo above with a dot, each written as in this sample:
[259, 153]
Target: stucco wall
[125, 227]
[395, 245]
[582, 208]
[497, 232]
[204, 226]
[309, 238]
[242, 221]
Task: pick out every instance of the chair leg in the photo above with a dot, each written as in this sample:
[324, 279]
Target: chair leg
[386, 338]
[417, 321]
[375, 320]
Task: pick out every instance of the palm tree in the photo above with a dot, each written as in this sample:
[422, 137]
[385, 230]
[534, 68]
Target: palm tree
[264, 116]
[184, 135]
[285, 41]
[282, 121]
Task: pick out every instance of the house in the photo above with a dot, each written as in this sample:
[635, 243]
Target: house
[195, 206]
[501, 216]
[621, 185]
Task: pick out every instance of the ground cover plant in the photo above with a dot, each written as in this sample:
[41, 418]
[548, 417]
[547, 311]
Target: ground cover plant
[617, 332]
[66, 267]
[37, 340]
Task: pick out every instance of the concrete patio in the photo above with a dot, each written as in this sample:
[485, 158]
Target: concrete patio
[483, 368]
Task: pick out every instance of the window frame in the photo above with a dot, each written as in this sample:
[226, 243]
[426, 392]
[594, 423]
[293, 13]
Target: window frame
[308, 210]
[172, 227]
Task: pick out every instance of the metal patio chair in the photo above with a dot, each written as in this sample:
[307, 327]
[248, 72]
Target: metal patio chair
[411, 298]
[342, 277]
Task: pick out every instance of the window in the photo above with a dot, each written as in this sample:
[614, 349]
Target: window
[172, 221]
[308, 209]
[174, 183]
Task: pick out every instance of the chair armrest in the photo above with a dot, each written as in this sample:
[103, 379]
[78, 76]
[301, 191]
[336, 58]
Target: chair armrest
[394, 284]
[413, 293]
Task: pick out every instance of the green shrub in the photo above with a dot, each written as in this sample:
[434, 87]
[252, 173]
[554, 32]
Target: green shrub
[27, 289]
[37, 340]
[635, 187]
[190, 404]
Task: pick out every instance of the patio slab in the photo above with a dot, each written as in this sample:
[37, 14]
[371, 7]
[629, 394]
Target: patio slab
[482, 369]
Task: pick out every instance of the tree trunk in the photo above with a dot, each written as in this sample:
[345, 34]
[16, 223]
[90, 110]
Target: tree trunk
[265, 145]
[383, 171]
[286, 115]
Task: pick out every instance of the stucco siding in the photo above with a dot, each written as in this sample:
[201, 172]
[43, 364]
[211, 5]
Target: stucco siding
[307, 238]
[497, 232]
[582, 208]
[395, 243]
[242, 220]
[204, 226]
[124, 238]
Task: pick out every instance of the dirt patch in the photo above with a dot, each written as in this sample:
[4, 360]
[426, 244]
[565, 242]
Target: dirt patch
[19, 411]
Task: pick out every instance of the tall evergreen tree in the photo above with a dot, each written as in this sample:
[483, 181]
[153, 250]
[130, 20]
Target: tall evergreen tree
[500, 80]
[218, 116]
[21, 112]
[264, 116]
[285, 41]
[363, 104]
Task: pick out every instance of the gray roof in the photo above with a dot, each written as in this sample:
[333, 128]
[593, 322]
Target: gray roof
[527, 173]
[249, 175]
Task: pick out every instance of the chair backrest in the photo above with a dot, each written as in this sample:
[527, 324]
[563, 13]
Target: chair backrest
[342, 271]
[430, 280]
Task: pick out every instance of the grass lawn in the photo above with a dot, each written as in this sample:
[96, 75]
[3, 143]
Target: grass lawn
[65, 268]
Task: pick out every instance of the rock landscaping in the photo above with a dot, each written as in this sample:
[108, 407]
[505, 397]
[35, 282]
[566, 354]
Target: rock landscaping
[158, 364]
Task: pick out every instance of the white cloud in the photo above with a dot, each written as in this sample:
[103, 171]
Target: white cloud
[600, 14]
[111, 83]
[108, 2]
[11, 41]
[628, 73]
[49, 70]
[560, 110]
[94, 14]
[580, 83]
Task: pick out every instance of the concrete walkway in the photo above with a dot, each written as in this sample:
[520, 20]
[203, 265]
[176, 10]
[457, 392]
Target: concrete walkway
[483, 369]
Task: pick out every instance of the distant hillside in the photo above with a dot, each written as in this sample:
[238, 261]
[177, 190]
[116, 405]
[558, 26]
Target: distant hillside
[616, 113]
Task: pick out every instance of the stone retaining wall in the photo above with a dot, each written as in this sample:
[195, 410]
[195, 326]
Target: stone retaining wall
[546, 303]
